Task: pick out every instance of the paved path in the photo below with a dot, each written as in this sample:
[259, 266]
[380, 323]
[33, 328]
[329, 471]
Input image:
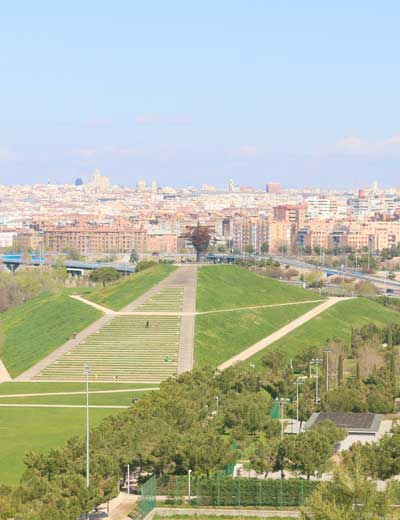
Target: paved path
[4, 375]
[79, 393]
[23, 405]
[101, 308]
[260, 306]
[29, 374]
[119, 508]
[275, 336]
[212, 511]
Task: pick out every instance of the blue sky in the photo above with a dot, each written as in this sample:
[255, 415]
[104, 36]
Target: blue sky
[185, 92]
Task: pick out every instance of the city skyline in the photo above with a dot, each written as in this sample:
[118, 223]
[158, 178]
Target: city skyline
[201, 93]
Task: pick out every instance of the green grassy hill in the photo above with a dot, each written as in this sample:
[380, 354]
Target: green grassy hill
[335, 322]
[221, 335]
[36, 328]
[231, 286]
[125, 291]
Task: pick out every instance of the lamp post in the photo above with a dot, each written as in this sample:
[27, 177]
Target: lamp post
[217, 401]
[316, 362]
[87, 372]
[282, 401]
[129, 479]
[189, 484]
[297, 383]
[327, 350]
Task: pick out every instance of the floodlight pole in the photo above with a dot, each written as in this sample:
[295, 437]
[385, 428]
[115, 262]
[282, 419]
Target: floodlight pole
[189, 484]
[297, 383]
[217, 401]
[87, 372]
[327, 350]
[129, 479]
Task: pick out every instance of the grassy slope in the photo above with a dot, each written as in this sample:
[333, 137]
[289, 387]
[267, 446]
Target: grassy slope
[38, 429]
[219, 336]
[336, 322]
[231, 286]
[35, 328]
[117, 399]
[123, 292]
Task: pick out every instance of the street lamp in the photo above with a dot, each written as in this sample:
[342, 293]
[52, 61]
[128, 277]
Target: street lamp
[316, 362]
[327, 350]
[217, 401]
[282, 401]
[87, 372]
[129, 479]
[297, 383]
[189, 484]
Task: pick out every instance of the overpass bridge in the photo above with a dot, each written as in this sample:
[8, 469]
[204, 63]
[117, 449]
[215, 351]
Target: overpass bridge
[75, 267]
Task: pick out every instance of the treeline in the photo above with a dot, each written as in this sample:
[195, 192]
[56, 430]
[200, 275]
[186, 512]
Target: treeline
[183, 426]
[16, 288]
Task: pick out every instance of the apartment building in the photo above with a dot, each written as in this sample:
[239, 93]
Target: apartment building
[87, 240]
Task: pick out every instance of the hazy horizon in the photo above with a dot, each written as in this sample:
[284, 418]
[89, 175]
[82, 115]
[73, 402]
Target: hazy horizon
[303, 94]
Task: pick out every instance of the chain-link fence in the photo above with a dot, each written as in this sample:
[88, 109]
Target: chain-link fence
[222, 490]
[148, 496]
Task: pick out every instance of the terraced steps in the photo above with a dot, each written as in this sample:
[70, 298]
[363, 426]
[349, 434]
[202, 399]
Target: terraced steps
[128, 348]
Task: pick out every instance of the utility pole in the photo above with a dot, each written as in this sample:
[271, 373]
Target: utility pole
[327, 350]
[87, 372]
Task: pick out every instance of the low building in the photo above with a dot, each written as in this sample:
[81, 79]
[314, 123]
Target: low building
[361, 427]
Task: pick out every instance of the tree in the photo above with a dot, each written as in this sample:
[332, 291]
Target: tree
[71, 253]
[264, 248]
[221, 248]
[144, 264]
[265, 455]
[340, 369]
[200, 236]
[104, 275]
[249, 249]
[349, 496]
[134, 257]
[308, 452]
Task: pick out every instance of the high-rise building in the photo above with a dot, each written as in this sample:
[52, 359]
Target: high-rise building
[273, 187]
[141, 184]
[99, 181]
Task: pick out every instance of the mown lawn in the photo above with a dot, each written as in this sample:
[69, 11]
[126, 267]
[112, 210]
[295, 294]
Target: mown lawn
[35, 328]
[38, 429]
[336, 322]
[219, 336]
[117, 295]
[231, 286]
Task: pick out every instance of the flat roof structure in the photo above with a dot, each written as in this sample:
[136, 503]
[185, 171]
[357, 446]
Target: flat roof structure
[360, 423]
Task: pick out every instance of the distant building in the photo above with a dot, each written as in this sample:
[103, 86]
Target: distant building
[141, 184]
[99, 181]
[154, 186]
[78, 182]
[273, 187]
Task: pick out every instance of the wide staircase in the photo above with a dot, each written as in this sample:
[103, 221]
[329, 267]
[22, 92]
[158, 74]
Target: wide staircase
[131, 348]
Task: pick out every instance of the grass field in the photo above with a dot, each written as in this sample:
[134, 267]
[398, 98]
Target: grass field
[219, 336]
[231, 286]
[115, 399]
[123, 292]
[38, 429]
[335, 322]
[35, 328]
[200, 516]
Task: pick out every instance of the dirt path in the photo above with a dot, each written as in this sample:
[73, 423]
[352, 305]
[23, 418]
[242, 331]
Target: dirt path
[275, 336]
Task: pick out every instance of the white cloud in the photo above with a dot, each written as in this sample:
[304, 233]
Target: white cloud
[353, 144]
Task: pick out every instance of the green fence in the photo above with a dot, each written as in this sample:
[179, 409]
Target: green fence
[225, 491]
[148, 496]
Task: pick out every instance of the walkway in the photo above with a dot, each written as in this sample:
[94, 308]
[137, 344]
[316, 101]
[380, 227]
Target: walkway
[298, 322]
[119, 508]
[4, 375]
